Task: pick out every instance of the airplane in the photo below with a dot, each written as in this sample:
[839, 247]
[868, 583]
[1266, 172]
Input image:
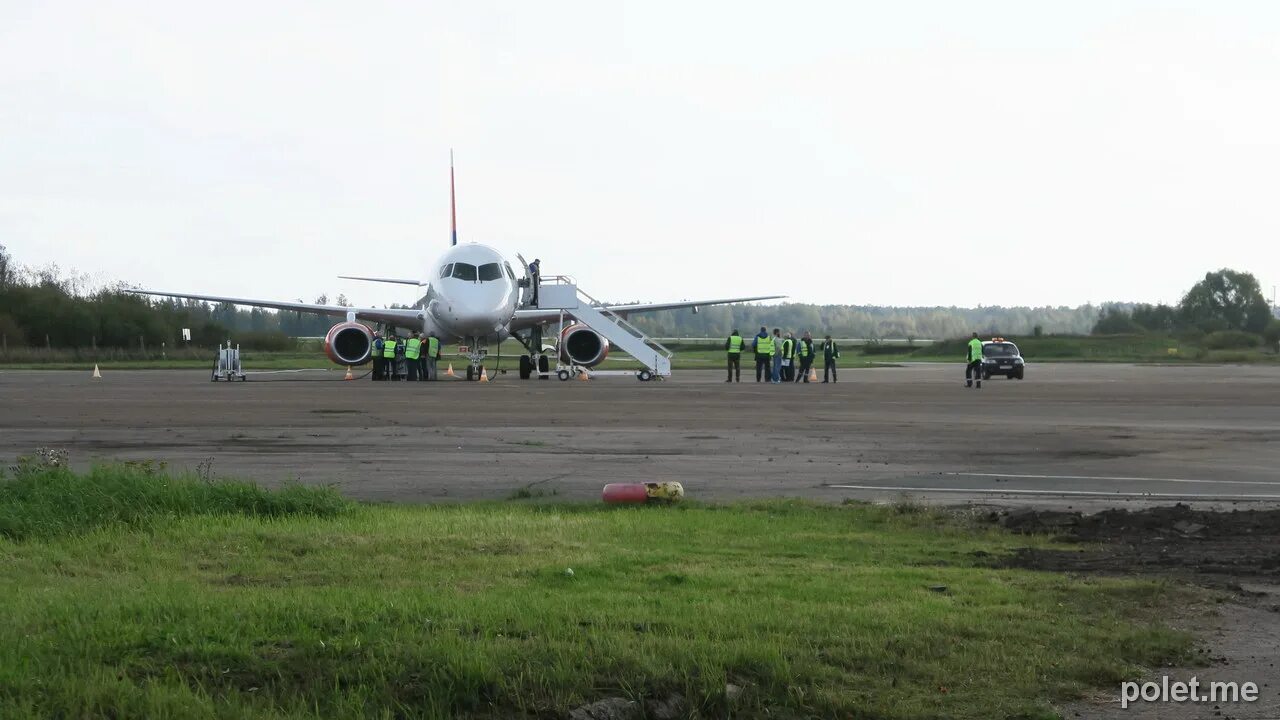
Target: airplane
[473, 298]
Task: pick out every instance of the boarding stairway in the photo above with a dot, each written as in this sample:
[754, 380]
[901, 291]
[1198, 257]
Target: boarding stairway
[562, 293]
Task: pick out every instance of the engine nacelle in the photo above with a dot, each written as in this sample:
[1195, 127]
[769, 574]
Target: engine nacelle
[349, 343]
[583, 346]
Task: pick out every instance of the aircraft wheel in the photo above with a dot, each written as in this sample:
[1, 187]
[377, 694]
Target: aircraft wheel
[526, 367]
[471, 373]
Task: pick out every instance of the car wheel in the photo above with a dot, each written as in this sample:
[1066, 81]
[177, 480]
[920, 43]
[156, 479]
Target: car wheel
[645, 376]
[986, 374]
[563, 375]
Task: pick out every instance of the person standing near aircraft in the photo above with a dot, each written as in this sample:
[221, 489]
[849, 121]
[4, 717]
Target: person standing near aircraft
[535, 278]
[379, 364]
[804, 353]
[789, 358]
[973, 355]
[398, 359]
[412, 354]
[433, 355]
[763, 345]
[733, 349]
[777, 357]
[830, 353]
[389, 344]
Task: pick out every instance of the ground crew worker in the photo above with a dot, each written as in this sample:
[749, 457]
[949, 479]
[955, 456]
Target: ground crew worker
[763, 345]
[788, 358]
[973, 365]
[389, 356]
[733, 349]
[389, 351]
[777, 356]
[379, 364]
[433, 354]
[830, 353]
[804, 353]
[412, 354]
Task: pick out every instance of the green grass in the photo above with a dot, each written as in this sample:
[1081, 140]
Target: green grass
[50, 504]
[216, 608]
[1097, 348]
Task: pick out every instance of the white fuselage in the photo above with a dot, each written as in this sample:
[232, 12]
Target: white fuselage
[472, 295]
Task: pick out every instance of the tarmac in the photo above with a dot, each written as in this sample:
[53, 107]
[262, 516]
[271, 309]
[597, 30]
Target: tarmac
[1084, 436]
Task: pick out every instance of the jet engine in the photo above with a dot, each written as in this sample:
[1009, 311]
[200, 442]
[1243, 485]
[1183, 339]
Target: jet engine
[349, 343]
[583, 346]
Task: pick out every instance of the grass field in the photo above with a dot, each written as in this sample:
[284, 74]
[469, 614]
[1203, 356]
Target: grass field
[129, 593]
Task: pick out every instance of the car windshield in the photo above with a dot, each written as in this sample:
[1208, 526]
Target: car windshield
[463, 271]
[1000, 349]
[490, 271]
[446, 271]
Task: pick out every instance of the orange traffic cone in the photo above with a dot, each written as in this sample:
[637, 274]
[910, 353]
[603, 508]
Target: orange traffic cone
[348, 376]
[484, 376]
[813, 375]
[96, 374]
[449, 372]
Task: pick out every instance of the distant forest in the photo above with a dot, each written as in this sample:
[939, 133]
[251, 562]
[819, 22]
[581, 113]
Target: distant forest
[869, 321]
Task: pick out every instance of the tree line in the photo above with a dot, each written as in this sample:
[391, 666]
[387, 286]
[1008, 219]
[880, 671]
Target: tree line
[1226, 308]
[49, 308]
[46, 307]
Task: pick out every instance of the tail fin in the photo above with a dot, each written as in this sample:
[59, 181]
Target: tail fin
[453, 203]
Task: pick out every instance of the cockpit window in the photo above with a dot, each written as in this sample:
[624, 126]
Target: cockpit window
[446, 271]
[490, 271]
[464, 271]
[510, 274]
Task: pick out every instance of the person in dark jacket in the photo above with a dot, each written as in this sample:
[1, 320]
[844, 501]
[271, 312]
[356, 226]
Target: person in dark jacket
[733, 350]
[830, 353]
[379, 363]
[764, 355]
[804, 353]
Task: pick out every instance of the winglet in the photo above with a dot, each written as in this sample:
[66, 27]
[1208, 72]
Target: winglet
[453, 203]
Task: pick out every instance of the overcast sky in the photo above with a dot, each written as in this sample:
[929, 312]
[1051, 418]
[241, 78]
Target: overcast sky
[888, 153]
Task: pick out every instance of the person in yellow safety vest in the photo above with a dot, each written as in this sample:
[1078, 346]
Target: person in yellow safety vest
[777, 356]
[433, 354]
[788, 358]
[412, 353]
[804, 353]
[973, 365]
[763, 344]
[389, 355]
[733, 348]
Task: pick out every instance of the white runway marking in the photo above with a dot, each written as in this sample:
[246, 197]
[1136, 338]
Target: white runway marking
[1090, 493]
[1122, 479]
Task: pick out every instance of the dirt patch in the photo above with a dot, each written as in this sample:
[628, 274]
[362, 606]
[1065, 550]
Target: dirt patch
[1217, 549]
[1236, 551]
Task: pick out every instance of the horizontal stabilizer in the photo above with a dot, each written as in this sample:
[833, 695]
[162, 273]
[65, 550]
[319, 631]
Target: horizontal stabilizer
[397, 281]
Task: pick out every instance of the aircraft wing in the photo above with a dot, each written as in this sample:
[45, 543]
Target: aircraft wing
[535, 316]
[397, 281]
[387, 315]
